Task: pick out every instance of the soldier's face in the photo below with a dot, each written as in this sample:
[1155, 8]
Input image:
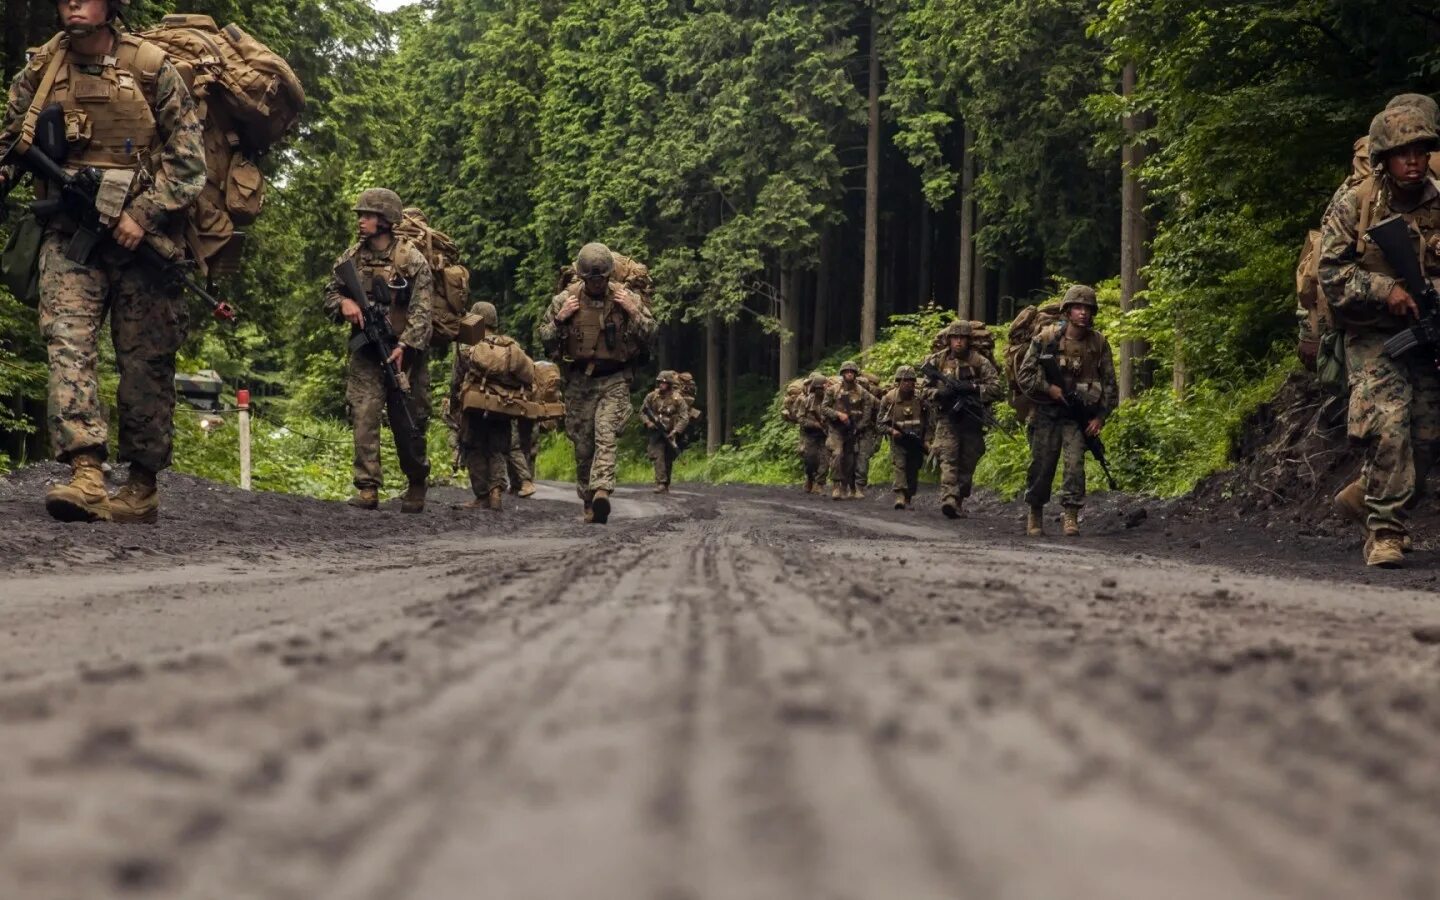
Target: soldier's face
[595, 284]
[664, 387]
[849, 377]
[958, 343]
[1081, 315]
[367, 225]
[1408, 164]
[907, 387]
[83, 12]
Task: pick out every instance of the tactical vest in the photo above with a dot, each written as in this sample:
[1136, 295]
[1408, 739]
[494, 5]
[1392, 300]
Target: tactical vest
[375, 268]
[967, 368]
[1079, 361]
[665, 410]
[596, 333]
[907, 414]
[1424, 225]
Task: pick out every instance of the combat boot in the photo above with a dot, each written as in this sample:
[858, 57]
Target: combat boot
[496, 499]
[1349, 504]
[83, 497]
[474, 503]
[1385, 550]
[858, 493]
[365, 498]
[836, 492]
[1035, 522]
[413, 500]
[527, 489]
[950, 507]
[662, 488]
[1070, 521]
[900, 501]
[600, 507]
[138, 502]
[587, 515]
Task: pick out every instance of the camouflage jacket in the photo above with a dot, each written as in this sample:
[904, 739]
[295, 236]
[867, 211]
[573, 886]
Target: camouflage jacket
[808, 411]
[1087, 367]
[178, 171]
[669, 414]
[973, 367]
[634, 334]
[855, 401]
[905, 415]
[412, 322]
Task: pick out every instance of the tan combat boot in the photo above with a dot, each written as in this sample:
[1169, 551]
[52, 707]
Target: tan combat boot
[365, 498]
[662, 488]
[496, 499]
[600, 506]
[413, 500]
[527, 489]
[138, 502]
[858, 493]
[950, 507]
[899, 499]
[837, 492]
[809, 485]
[1070, 521]
[83, 498]
[1349, 504]
[474, 503]
[1385, 550]
[1035, 522]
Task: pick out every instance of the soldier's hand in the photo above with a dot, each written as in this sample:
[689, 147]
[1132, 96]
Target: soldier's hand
[1055, 393]
[128, 232]
[1093, 428]
[397, 356]
[1401, 304]
[843, 417]
[350, 312]
[895, 433]
[567, 309]
[626, 301]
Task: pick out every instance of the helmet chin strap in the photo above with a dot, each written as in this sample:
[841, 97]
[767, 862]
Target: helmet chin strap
[84, 31]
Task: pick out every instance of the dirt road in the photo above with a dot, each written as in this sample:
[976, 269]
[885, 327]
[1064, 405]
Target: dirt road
[726, 693]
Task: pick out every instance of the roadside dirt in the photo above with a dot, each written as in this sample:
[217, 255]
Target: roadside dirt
[726, 693]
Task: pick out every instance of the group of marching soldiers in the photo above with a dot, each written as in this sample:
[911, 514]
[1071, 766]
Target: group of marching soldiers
[1061, 378]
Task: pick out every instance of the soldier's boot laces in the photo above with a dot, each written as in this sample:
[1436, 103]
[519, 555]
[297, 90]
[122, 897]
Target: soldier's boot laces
[365, 498]
[83, 498]
[600, 507]
[413, 500]
[1070, 521]
[950, 508]
[1385, 550]
[527, 489]
[138, 502]
[1035, 521]
[497, 497]
[900, 501]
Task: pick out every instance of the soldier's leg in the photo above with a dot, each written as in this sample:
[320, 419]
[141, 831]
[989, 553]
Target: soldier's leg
[864, 449]
[972, 447]
[365, 393]
[411, 449]
[1379, 416]
[498, 431]
[914, 459]
[473, 450]
[835, 449]
[73, 301]
[946, 445]
[655, 449]
[580, 402]
[148, 324]
[1072, 483]
[1424, 423]
[1045, 444]
[899, 469]
[612, 411]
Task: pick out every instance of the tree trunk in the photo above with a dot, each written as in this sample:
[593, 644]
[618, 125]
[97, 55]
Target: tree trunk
[1134, 233]
[925, 281]
[872, 193]
[965, 304]
[823, 282]
[732, 343]
[789, 324]
[712, 384]
[980, 292]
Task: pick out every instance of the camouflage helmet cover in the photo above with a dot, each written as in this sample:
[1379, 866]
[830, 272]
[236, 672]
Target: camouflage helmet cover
[686, 378]
[666, 376]
[818, 379]
[1400, 126]
[849, 366]
[958, 329]
[383, 202]
[594, 259]
[1079, 295]
[486, 312]
[905, 373]
[1423, 102]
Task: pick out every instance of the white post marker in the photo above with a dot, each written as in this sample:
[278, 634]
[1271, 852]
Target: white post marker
[242, 402]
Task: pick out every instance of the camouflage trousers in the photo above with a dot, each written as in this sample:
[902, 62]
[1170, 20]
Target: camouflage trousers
[842, 446]
[814, 455]
[365, 392]
[1395, 413]
[1053, 436]
[958, 447]
[596, 410]
[485, 441]
[662, 455]
[905, 463]
[866, 446]
[520, 460]
[147, 325]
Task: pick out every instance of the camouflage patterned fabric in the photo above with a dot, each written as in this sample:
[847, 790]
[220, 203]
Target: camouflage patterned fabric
[959, 443]
[672, 413]
[365, 393]
[1053, 436]
[906, 415]
[485, 441]
[520, 460]
[596, 410]
[842, 439]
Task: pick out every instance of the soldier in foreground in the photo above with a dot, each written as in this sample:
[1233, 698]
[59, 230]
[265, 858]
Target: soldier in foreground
[905, 417]
[1068, 368]
[130, 99]
[666, 415]
[1394, 402]
[495, 374]
[806, 410]
[963, 384]
[846, 409]
[597, 330]
[389, 268]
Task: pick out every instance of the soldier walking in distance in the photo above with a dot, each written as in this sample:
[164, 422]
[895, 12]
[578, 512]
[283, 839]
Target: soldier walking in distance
[969, 384]
[495, 373]
[1086, 371]
[847, 407]
[806, 410]
[867, 440]
[598, 330]
[666, 416]
[905, 417]
[381, 258]
[141, 131]
[1394, 403]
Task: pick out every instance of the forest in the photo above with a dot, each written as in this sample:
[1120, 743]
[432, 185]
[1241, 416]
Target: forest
[806, 180]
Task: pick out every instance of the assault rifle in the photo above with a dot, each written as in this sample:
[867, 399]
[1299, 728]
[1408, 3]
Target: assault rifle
[651, 422]
[1078, 410]
[957, 398]
[911, 439]
[375, 332]
[76, 197]
[1396, 242]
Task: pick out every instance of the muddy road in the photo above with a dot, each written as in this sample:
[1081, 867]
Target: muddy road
[725, 693]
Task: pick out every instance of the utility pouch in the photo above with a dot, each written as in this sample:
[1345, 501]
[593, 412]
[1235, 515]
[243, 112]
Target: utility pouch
[1330, 363]
[20, 261]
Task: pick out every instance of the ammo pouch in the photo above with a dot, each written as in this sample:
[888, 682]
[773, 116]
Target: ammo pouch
[1330, 368]
[20, 262]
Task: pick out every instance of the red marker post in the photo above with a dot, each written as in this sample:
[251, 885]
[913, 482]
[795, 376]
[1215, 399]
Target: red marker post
[242, 403]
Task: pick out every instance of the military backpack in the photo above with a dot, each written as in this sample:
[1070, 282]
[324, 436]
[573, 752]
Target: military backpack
[451, 296]
[1029, 322]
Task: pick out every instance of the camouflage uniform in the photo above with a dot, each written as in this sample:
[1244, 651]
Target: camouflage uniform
[597, 349]
[960, 438]
[1394, 403]
[912, 417]
[666, 416]
[867, 440]
[807, 412]
[364, 381]
[495, 368]
[148, 321]
[842, 438]
[520, 460]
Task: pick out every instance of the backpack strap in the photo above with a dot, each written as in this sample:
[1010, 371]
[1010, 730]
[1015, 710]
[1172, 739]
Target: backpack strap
[142, 59]
[1365, 196]
[58, 47]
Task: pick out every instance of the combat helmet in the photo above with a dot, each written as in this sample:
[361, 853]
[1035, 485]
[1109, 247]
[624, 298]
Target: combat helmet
[1423, 102]
[1079, 295]
[594, 259]
[818, 380]
[383, 202]
[905, 373]
[1400, 126]
[849, 366]
[486, 312]
[666, 376]
[958, 329]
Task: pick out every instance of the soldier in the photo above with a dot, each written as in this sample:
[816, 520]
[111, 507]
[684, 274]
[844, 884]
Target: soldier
[1085, 369]
[867, 440]
[497, 374]
[141, 130]
[598, 329]
[967, 385]
[666, 416]
[690, 392]
[1394, 403]
[847, 407]
[905, 417]
[806, 411]
[382, 258]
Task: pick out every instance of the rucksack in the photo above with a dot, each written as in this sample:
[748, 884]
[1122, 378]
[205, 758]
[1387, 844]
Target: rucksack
[451, 280]
[248, 100]
[632, 273]
[1028, 323]
[982, 341]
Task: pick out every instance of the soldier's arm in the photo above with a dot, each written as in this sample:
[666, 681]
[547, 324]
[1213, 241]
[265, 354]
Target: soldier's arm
[422, 293]
[335, 292]
[682, 417]
[1347, 284]
[181, 174]
[885, 416]
[1109, 384]
[547, 330]
[1030, 376]
[641, 325]
[22, 91]
[992, 389]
